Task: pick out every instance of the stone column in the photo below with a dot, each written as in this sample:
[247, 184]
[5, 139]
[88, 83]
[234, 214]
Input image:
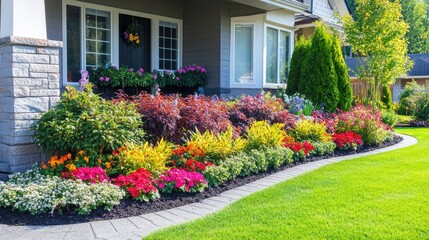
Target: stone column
[29, 86]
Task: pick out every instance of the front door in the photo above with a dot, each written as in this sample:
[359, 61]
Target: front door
[132, 54]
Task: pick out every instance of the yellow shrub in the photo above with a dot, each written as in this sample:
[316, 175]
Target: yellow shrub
[152, 158]
[217, 147]
[261, 133]
[308, 130]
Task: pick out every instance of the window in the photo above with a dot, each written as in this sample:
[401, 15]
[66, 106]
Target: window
[96, 43]
[243, 55]
[277, 55]
[168, 45]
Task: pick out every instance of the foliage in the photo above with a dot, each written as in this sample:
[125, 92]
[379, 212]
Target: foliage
[217, 147]
[389, 117]
[190, 158]
[377, 34]
[297, 104]
[386, 98]
[84, 121]
[364, 121]
[309, 130]
[151, 158]
[328, 119]
[323, 148]
[191, 165]
[216, 175]
[300, 149]
[261, 133]
[407, 98]
[112, 76]
[421, 108]
[416, 15]
[343, 77]
[182, 181]
[296, 64]
[189, 76]
[87, 175]
[36, 193]
[139, 185]
[321, 84]
[347, 140]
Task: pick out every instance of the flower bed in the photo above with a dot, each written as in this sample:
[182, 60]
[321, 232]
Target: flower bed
[213, 148]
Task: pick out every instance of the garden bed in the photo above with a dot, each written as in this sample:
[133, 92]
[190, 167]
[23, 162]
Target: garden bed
[129, 207]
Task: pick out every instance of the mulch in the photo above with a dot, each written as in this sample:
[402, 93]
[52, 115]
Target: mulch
[128, 207]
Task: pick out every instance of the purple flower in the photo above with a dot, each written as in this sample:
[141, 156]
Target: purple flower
[203, 70]
[166, 72]
[154, 76]
[131, 69]
[84, 80]
[106, 79]
[177, 78]
[101, 79]
[141, 70]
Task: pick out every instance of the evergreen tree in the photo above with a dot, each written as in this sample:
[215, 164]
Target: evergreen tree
[344, 88]
[299, 54]
[386, 97]
[320, 85]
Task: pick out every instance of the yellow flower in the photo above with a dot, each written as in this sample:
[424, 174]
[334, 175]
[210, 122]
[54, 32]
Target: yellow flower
[69, 156]
[71, 167]
[86, 159]
[138, 41]
[131, 37]
[108, 165]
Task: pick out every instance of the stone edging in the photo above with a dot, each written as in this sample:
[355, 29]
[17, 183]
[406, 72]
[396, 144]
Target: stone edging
[136, 227]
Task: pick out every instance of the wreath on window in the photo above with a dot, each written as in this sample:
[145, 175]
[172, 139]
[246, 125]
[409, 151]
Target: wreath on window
[133, 33]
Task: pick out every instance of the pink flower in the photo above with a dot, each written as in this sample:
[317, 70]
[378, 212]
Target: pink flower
[131, 69]
[177, 78]
[154, 76]
[107, 79]
[141, 70]
[101, 79]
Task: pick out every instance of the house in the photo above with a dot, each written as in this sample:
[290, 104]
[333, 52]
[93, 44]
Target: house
[245, 45]
[419, 73]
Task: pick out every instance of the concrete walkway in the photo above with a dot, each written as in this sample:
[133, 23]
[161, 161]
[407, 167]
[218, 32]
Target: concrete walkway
[136, 227]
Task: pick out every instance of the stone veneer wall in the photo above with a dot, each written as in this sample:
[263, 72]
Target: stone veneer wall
[29, 86]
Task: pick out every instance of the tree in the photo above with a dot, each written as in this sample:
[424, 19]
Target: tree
[386, 97]
[415, 15]
[299, 54]
[343, 78]
[377, 35]
[320, 85]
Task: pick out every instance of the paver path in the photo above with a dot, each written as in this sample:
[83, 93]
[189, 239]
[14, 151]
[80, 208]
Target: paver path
[136, 227]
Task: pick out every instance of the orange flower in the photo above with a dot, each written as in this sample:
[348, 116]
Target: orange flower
[108, 165]
[86, 159]
[69, 156]
[71, 167]
[121, 149]
[99, 160]
[80, 152]
[44, 166]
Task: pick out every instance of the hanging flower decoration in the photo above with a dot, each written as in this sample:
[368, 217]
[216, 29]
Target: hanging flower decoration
[133, 33]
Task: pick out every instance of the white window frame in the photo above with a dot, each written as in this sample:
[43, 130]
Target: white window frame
[264, 66]
[114, 18]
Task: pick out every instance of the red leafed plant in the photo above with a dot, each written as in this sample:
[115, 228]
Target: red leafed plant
[347, 140]
[139, 185]
[189, 158]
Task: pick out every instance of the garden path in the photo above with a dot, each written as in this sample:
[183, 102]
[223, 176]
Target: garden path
[136, 227]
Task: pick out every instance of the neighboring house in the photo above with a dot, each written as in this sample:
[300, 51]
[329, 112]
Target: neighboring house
[327, 11]
[245, 45]
[419, 73]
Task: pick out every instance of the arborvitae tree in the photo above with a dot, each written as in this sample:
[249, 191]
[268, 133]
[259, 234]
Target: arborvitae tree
[344, 88]
[299, 54]
[320, 84]
[386, 97]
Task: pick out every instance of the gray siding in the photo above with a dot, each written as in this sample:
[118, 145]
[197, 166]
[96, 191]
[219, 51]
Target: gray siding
[54, 19]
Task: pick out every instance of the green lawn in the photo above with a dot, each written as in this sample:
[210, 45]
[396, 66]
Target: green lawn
[385, 196]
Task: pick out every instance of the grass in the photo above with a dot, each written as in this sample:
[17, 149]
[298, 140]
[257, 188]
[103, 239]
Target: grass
[384, 196]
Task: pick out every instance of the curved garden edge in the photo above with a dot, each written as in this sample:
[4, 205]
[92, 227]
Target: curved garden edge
[146, 223]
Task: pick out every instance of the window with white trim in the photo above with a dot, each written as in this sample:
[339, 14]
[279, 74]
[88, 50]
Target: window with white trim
[168, 45]
[243, 54]
[277, 55]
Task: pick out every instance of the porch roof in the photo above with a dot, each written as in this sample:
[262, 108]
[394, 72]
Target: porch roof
[295, 6]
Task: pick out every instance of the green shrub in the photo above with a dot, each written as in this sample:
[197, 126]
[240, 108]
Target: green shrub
[36, 193]
[389, 117]
[294, 76]
[321, 84]
[323, 148]
[84, 121]
[386, 98]
[341, 70]
[421, 110]
[278, 156]
[406, 98]
[261, 134]
[151, 158]
[308, 130]
[216, 175]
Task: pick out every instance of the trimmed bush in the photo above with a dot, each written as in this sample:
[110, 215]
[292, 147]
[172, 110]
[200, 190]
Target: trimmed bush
[262, 134]
[386, 98]
[309, 130]
[343, 77]
[321, 84]
[296, 63]
[84, 121]
[323, 148]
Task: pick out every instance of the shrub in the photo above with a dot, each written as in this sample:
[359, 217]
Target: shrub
[217, 147]
[87, 175]
[216, 175]
[329, 119]
[386, 98]
[189, 76]
[323, 148]
[364, 121]
[191, 165]
[421, 110]
[308, 130]
[278, 156]
[261, 133]
[389, 117]
[406, 98]
[343, 77]
[347, 140]
[300, 149]
[182, 181]
[84, 121]
[321, 84]
[298, 105]
[151, 158]
[139, 185]
[296, 64]
[33, 192]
